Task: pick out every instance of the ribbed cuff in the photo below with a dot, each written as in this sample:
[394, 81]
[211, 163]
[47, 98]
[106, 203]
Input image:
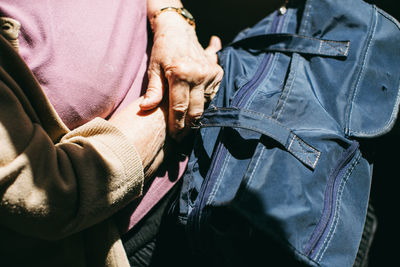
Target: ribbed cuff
[103, 133]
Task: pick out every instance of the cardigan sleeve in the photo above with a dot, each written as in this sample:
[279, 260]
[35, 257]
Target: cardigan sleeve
[53, 189]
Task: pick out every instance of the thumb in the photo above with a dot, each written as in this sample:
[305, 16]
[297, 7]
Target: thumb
[214, 45]
[154, 92]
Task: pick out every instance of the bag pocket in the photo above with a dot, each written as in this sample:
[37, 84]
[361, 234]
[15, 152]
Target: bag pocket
[308, 211]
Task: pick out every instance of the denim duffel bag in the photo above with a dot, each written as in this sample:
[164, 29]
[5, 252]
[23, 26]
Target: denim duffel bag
[277, 157]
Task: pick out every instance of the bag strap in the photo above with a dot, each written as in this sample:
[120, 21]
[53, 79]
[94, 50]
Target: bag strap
[258, 122]
[294, 43]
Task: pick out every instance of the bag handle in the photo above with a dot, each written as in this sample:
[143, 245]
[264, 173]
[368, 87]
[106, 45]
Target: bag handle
[294, 43]
[258, 122]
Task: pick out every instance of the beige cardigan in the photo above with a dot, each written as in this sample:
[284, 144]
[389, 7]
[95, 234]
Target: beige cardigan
[58, 188]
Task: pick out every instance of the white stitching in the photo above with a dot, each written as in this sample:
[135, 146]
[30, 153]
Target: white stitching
[396, 106]
[362, 69]
[308, 8]
[245, 127]
[299, 154]
[335, 223]
[291, 142]
[328, 43]
[320, 46]
[250, 180]
[269, 74]
[295, 57]
[219, 180]
[305, 152]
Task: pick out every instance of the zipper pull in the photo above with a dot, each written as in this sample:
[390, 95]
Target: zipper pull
[283, 9]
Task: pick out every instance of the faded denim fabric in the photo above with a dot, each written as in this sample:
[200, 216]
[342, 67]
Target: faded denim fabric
[278, 145]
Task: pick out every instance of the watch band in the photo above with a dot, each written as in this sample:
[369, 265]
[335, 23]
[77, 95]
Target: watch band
[180, 10]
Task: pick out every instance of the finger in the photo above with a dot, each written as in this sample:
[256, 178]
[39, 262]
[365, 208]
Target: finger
[214, 46]
[178, 107]
[212, 88]
[196, 105]
[155, 90]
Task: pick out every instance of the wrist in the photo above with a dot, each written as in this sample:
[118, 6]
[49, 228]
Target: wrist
[153, 6]
[167, 14]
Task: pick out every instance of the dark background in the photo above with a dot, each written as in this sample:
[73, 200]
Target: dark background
[226, 18]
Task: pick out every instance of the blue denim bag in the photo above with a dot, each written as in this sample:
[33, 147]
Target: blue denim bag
[277, 146]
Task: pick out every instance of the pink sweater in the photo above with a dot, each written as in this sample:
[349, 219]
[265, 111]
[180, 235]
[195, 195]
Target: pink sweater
[90, 58]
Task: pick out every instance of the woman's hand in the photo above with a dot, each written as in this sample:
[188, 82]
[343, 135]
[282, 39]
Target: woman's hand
[180, 64]
[146, 130]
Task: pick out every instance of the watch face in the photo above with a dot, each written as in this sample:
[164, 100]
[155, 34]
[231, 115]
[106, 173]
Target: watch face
[187, 14]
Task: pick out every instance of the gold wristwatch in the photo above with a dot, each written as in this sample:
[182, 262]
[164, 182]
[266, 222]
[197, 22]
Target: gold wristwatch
[181, 11]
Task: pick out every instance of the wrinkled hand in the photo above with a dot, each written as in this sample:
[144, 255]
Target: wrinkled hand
[146, 130]
[178, 62]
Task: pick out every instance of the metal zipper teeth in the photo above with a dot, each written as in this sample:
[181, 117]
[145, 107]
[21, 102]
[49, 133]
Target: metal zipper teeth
[194, 217]
[328, 210]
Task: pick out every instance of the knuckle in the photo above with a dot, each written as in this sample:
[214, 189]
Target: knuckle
[213, 72]
[179, 109]
[179, 125]
[203, 73]
[190, 71]
[217, 72]
[182, 69]
[179, 70]
[195, 115]
[194, 72]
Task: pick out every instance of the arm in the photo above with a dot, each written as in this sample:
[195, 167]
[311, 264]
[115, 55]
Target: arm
[180, 64]
[146, 130]
[50, 189]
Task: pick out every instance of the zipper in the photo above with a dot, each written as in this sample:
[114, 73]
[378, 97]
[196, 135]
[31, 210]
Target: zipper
[196, 216]
[246, 91]
[328, 211]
